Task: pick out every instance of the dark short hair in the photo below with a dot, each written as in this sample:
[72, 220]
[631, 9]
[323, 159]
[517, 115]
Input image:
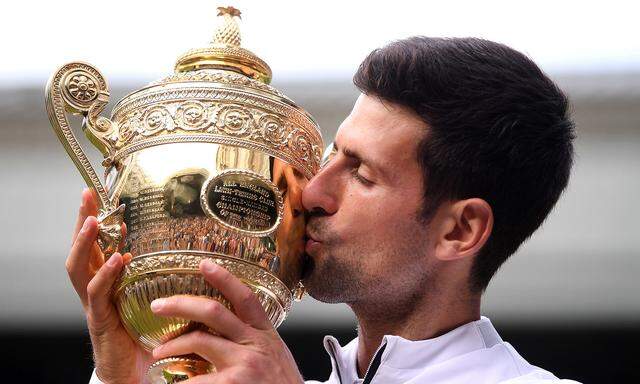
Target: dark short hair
[498, 129]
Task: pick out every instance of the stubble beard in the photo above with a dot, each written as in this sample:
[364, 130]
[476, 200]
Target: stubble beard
[331, 277]
[335, 275]
[332, 281]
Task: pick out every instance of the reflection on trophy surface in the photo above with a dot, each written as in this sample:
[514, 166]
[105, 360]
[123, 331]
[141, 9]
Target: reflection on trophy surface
[208, 162]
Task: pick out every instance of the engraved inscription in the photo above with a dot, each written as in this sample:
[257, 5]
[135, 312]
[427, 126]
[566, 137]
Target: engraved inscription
[146, 210]
[243, 201]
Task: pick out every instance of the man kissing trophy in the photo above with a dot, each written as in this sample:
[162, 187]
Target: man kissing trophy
[207, 163]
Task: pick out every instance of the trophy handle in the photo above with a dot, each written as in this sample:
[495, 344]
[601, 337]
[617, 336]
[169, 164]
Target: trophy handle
[80, 89]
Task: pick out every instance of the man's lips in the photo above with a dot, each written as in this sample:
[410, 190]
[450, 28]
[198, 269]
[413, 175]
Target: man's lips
[311, 243]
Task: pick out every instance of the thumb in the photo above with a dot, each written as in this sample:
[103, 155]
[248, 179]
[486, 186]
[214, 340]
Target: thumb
[101, 310]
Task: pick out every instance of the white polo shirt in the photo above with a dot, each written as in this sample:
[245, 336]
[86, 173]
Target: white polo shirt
[473, 353]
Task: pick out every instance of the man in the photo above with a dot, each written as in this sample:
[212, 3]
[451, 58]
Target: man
[453, 155]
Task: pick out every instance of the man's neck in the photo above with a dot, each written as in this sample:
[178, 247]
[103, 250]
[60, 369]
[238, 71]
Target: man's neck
[427, 319]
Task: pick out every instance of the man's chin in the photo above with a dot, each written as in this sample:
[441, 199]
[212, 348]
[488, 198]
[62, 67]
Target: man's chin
[309, 279]
[316, 287]
[318, 277]
[323, 296]
[308, 265]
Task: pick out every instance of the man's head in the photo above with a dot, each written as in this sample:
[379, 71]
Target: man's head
[452, 157]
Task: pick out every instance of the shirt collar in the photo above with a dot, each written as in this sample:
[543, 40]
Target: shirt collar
[401, 353]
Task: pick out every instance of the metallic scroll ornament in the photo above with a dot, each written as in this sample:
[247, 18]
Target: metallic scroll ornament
[81, 89]
[199, 165]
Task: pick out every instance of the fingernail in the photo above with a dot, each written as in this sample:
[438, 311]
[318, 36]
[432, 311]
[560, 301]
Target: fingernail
[113, 260]
[157, 304]
[85, 226]
[209, 266]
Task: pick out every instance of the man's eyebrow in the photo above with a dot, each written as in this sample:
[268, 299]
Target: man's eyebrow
[349, 152]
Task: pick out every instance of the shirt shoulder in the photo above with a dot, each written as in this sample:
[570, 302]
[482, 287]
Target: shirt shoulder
[538, 377]
[94, 378]
[529, 373]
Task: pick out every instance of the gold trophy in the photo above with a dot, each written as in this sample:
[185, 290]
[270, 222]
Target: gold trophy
[208, 162]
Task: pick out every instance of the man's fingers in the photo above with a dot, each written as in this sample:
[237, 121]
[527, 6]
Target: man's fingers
[99, 288]
[203, 310]
[127, 257]
[88, 207]
[123, 230]
[210, 378]
[224, 377]
[245, 303]
[79, 258]
[215, 349]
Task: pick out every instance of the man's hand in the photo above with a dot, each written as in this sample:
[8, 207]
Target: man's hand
[248, 348]
[118, 359]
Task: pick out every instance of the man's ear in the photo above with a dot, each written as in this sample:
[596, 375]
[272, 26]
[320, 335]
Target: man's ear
[464, 227]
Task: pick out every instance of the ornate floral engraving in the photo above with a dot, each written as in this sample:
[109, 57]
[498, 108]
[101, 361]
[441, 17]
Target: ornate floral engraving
[192, 116]
[274, 130]
[82, 87]
[157, 119]
[131, 126]
[300, 145]
[221, 116]
[147, 98]
[234, 120]
[317, 151]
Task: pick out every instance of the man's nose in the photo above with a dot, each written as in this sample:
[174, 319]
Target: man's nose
[321, 192]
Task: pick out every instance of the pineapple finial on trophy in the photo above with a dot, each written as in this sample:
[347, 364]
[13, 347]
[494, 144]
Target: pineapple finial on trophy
[228, 33]
[225, 52]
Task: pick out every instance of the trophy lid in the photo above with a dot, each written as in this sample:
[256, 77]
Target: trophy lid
[219, 94]
[225, 51]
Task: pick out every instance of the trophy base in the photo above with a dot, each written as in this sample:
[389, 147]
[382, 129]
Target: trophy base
[176, 369]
